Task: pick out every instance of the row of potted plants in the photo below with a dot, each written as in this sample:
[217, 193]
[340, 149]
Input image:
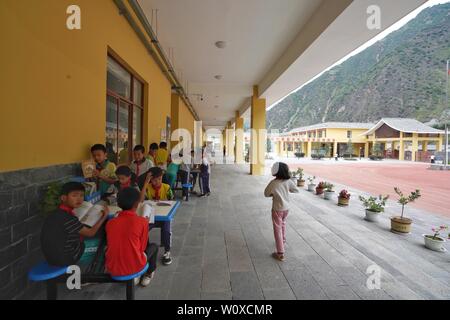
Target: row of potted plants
[374, 206]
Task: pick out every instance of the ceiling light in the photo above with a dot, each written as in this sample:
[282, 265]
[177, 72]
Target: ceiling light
[217, 107]
[218, 77]
[221, 44]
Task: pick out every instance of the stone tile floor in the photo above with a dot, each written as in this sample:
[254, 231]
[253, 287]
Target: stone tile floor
[222, 249]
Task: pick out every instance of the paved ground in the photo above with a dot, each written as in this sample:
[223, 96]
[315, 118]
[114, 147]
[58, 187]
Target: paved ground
[222, 247]
[382, 177]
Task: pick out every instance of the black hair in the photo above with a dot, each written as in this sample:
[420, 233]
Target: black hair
[283, 172]
[128, 198]
[123, 171]
[98, 147]
[156, 172]
[154, 146]
[163, 145]
[71, 187]
[139, 147]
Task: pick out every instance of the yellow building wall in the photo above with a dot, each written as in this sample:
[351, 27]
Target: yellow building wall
[53, 80]
[186, 120]
[340, 135]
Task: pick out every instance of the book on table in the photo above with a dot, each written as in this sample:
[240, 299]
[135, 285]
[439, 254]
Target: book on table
[89, 214]
[144, 210]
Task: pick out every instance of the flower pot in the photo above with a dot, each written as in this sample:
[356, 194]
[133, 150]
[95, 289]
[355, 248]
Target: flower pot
[401, 225]
[343, 202]
[436, 244]
[329, 195]
[300, 183]
[311, 187]
[372, 216]
[319, 191]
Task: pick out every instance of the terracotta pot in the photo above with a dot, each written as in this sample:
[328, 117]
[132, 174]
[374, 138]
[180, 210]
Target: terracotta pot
[319, 191]
[300, 183]
[401, 225]
[434, 244]
[343, 202]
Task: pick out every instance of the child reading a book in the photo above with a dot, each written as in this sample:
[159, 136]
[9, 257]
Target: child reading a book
[127, 237]
[279, 189]
[126, 179]
[154, 189]
[62, 233]
[140, 165]
[104, 172]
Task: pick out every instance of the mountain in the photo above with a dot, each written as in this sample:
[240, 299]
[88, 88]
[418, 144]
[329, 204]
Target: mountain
[403, 75]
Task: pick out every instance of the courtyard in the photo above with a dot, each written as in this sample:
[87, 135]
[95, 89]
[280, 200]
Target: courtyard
[223, 244]
[380, 177]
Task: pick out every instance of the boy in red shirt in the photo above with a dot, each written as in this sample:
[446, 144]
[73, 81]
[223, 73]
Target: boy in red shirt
[127, 236]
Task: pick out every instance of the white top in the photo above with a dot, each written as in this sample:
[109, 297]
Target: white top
[143, 167]
[279, 191]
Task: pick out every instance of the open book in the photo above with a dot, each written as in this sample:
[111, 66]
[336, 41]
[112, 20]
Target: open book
[144, 210]
[89, 214]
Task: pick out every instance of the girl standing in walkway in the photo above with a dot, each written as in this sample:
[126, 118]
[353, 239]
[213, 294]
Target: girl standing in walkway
[279, 189]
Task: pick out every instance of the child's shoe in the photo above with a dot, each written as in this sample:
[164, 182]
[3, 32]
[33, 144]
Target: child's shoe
[146, 279]
[166, 259]
[278, 256]
[137, 281]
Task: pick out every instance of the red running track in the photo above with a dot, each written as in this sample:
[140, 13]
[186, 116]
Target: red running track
[381, 178]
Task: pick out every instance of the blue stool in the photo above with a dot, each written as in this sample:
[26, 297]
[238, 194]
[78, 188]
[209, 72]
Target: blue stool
[187, 187]
[130, 281]
[49, 274]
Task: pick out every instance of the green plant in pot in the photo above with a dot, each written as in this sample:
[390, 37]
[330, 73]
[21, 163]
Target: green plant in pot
[435, 241]
[344, 198]
[52, 198]
[321, 188]
[311, 184]
[300, 178]
[374, 206]
[329, 191]
[401, 224]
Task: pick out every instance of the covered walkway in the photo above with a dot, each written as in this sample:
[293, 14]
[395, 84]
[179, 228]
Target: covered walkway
[222, 247]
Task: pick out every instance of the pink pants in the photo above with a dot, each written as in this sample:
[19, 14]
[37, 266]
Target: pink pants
[279, 229]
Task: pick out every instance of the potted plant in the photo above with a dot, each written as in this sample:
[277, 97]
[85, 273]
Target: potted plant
[311, 184]
[300, 180]
[320, 188]
[374, 206]
[52, 198]
[344, 198]
[435, 242]
[329, 191]
[401, 224]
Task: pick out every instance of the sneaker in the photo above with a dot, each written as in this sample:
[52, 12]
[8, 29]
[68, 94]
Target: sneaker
[166, 259]
[202, 195]
[279, 257]
[137, 280]
[146, 279]
[208, 194]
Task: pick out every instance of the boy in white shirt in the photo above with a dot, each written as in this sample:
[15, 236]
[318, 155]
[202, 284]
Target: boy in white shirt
[141, 165]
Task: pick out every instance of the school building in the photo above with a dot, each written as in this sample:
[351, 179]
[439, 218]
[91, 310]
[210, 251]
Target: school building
[395, 138]
[124, 72]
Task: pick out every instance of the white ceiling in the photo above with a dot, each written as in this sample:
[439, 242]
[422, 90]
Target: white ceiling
[257, 33]
[277, 44]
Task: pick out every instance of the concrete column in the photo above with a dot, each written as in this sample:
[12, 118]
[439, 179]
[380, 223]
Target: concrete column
[335, 149]
[424, 146]
[440, 146]
[239, 141]
[174, 116]
[401, 151]
[308, 149]
[258, 135]
[415, 146]
[366, 150]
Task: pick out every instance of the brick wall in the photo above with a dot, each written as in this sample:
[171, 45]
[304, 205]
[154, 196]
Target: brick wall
[20, 224]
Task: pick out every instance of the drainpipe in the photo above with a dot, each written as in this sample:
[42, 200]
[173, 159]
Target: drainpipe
[154, 48]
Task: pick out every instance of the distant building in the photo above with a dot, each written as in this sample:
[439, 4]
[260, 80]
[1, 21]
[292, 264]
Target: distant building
[403, 139]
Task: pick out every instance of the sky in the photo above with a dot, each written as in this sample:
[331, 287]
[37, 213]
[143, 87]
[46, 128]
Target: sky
[377, 38]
